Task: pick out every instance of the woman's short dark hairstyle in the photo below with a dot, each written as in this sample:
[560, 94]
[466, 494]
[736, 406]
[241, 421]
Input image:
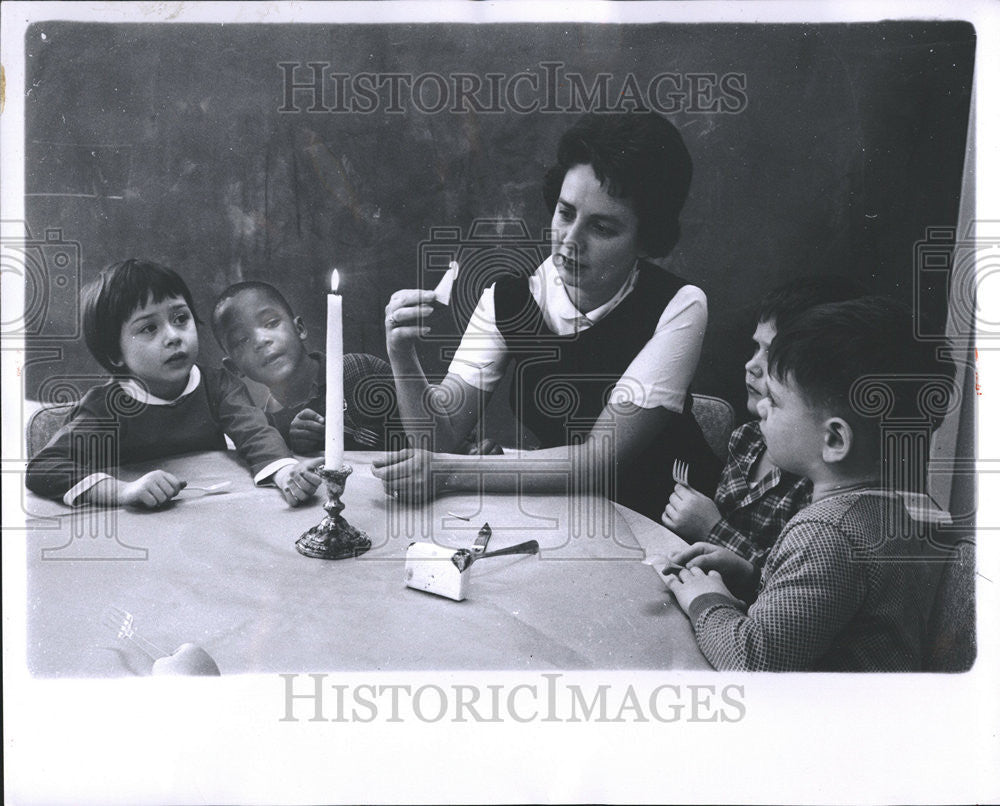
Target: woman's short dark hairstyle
[114, 296]
[638, 156]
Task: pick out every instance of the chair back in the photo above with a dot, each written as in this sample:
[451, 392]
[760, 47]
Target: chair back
[715, 417]
[951, 627]
[43, 424]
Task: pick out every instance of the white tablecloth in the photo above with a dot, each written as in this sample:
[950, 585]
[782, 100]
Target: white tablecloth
[222, 571]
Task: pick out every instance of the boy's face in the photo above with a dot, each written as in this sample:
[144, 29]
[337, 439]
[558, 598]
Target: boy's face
[756, 367]
[263, 341]
[793, 431]
[159, 345]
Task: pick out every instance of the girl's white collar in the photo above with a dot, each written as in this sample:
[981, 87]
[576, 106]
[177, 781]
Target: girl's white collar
[140, 393]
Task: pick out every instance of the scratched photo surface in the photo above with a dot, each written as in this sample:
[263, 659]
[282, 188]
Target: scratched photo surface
[279, 152]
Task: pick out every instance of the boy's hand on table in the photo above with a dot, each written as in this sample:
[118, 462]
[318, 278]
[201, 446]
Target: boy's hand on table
[152, 490]
[298, 482]
[738, 572]
[307, 432]
[407, 474]
[688, 584]
[689, 513]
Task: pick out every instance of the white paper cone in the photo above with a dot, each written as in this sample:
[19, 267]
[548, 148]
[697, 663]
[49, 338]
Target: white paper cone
[443, 290]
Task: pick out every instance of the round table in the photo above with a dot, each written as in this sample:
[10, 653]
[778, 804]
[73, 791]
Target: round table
[222, 571]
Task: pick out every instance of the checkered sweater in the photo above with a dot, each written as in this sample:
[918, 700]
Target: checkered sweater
[840, 591]
[754, 515]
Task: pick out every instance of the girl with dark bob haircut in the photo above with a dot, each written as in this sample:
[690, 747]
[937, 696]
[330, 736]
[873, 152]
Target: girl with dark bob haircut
[115, 294]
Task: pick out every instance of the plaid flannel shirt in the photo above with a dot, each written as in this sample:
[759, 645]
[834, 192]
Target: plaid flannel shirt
[753, 516]
[843, 589]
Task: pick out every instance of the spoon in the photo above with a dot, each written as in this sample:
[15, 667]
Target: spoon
[211, 489]
[463, 558]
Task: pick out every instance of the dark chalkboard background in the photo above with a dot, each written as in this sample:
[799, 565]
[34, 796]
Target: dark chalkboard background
[166, 142]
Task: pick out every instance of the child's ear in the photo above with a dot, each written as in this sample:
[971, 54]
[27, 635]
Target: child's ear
[838, 438]
[230, 365]
[300, 328]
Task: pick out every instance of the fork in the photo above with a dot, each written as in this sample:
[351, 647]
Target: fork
[681, 470]
[363, 435]
[121, 622]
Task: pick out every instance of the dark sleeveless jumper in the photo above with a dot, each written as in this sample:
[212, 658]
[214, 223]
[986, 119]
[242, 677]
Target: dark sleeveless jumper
[561, 384]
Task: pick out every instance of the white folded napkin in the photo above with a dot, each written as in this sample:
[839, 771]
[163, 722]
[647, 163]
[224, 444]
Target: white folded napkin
[443, 290]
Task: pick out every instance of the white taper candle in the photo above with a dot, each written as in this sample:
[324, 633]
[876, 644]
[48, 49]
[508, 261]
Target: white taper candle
[334, 443]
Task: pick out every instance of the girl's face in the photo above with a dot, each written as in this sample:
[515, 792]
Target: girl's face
[159, 345]
[595, 239]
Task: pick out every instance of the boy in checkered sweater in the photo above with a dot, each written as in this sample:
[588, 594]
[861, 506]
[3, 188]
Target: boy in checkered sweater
[755, 498]
[844, 588]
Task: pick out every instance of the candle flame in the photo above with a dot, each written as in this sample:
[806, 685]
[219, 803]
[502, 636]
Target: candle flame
[334, 281]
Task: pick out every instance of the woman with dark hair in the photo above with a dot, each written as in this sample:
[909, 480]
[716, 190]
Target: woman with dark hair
[603, 343]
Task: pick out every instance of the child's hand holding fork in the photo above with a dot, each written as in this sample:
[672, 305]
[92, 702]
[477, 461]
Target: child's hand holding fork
[306, 433]
[689, 513]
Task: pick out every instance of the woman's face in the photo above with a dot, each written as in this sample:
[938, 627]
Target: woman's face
[595, 239]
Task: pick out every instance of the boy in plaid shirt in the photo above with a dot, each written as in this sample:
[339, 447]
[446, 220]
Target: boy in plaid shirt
[843, 587]
[755, 498]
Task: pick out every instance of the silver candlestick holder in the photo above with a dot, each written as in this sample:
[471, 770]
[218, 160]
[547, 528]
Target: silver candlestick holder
[334, 538]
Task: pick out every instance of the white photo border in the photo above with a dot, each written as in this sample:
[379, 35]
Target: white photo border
[803, 738]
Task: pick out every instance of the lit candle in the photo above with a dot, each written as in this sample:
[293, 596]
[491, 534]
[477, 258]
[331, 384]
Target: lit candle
[334, 443]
